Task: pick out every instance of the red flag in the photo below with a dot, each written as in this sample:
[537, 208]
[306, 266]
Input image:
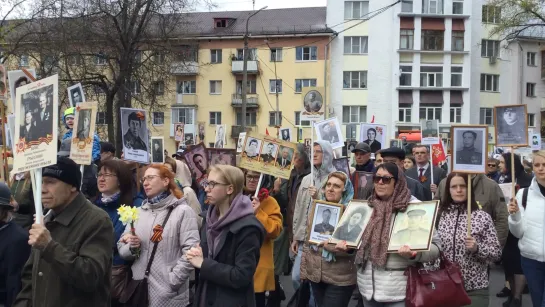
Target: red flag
[373, 119]
[266, 131]
[438, 152]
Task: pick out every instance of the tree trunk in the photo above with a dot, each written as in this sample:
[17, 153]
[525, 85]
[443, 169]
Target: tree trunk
[110, 120]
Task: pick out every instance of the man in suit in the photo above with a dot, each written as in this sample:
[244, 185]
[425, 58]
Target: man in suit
[414, 235]
[324, 228]
[284, 161]
[423, 168]
[429, 131]
[44, 124]
[270, 151]
[468, 154]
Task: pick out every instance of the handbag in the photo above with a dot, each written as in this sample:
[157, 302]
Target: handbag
[136, 293]
[443, 287]
[121, 276]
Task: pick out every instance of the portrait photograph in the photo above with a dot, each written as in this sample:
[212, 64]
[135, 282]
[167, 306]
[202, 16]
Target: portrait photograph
[350, 145]
[285, 157]
[189, 139]
[510, 122]
[17, 78]
[329, 130]
[252, 148]
[76, 95]
[285, 134]
[220, 136]
[430, 132]
[179, 132]
[395, 143]
[84, 123]
[221, 156]
[269, 152]
[373, 135]
[414, 227]
[469, 148]
[240, 141]
[352, 224]
[197, 160]
[535, 141]
[313, 101]
[325, 217]
[342, 165]
[135, 135]
[361, 180]
[81, 149]
[201, 132]
[157, 150]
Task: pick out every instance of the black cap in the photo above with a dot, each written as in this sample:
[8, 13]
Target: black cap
[5, 196]
[107, 147]
[393, 152]
[65, 170]
[362, 147]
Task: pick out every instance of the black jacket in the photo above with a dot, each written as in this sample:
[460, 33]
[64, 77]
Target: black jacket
[14, 252]
[229, 277]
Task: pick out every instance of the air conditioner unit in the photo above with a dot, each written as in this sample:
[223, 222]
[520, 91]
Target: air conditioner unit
[492, 60]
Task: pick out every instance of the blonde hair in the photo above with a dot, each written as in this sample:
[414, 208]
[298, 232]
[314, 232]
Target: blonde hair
[232, 176]
[540, 153]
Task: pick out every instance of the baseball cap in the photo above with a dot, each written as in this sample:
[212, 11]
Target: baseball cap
[362, 147]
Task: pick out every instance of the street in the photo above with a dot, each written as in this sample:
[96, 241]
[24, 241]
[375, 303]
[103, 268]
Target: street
[496, 284]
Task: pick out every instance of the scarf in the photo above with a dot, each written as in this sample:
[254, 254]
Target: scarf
[107, 199]
[159, 197]
[376, 237]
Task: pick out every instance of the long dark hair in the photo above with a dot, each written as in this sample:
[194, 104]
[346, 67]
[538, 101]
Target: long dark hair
[518, 165]
[124, 178]
[446, 200]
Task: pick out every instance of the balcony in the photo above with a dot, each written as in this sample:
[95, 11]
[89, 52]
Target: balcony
[237, 67]
[236, 130]
[251, 100]
[186, 100]
[187, 68]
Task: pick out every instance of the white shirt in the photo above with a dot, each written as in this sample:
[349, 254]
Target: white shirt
[425, 168]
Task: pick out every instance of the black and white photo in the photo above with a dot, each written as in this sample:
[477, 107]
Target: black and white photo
[285, 134]
[157, 150]
[252, 148]
[469, 148]
[268, 152]
[329, 130]
[201, 132]
[17, 78]
[179, 132]
[37, 111]
[414, 226]
[395, 143]
[84, 124]
[351, 145]
[510, 122]
[430, 132]
[342, 165]
[220, 136]
[536, 141]
[197, 160]
[240, 141]
[313, 101]
[135, 135]
[76, 95]
[324, 217]
[373, 135]
[189, 139]
[221, 156]
[353, 222]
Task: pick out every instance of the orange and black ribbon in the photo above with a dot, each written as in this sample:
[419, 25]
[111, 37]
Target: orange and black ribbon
[157, 234]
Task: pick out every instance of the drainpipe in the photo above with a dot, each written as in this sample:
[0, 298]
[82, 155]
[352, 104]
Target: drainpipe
[325, 80]
[521, 68]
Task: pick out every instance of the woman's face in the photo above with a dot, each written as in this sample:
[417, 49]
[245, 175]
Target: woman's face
[252, 179]
[407, 163]
[458, 189]
[220, 192]
[153, 183]
[28, 118]
[355, 219]
[334, 190]
[107, 182]
[385, 186]
[538, 166]
[502, 167]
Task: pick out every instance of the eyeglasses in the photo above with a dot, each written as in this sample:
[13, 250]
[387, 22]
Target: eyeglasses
[252, 178]
[385, 179]
[148, 178]
[105, 175]
[212, 184]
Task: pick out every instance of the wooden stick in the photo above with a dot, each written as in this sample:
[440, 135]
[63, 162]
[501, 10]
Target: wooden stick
[513, 179]
[431, 170]
[312, 152]
[469, 205]
[38, 196]
[5, 167]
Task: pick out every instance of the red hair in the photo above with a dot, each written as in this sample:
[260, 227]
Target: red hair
[166, 173]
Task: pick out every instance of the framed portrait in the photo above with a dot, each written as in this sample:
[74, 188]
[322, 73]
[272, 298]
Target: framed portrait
[350, 145]
[220, 136]
[342, 165]
[76, 94]
[329, 130]
[269, 152]
[196, 159]
[189, 139]
[240, 141]
[324, 217]
[373, 135]
[469, 148]
[361, 180]
[430, 132]
[414, 227]
[395, 143]
[285, 157]
[536, 141]
[17, 78]
[179, 132]
[285, 134]
[221, 156]
[201, 132]
[511, 125]
[135, 135]
[352, 224]
[81, 150]
[252, 148]
[313, 104]
[157, 149]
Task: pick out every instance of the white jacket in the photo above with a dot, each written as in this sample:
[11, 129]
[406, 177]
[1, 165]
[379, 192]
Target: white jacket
[529, 224]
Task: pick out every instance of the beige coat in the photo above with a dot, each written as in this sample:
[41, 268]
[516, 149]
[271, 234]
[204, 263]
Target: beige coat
[183, 174]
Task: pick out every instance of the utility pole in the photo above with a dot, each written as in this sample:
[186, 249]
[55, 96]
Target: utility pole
[245, 72]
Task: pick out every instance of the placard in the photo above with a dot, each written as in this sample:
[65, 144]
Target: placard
[324, 217]
[511, 125]
[135, 135]
[220, 136]
[157, 149]
[17, 78]
[179, 132]
[373, 135]
[313, 104]
[285, 134]
[535, 140]
[240, 141]
[76, 94]
[430, 132]
[469, 148]
[329, 130]
[83, 134]
[268, 155]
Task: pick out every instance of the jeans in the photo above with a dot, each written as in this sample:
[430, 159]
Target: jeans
[296, 274]
[373, 303]
[535, 276]
[479, 298]
[327, 295]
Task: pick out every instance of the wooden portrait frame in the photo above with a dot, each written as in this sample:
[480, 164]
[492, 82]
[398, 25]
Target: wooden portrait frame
[232, 153]
[433, 204]
[311, 221]
[353, 207]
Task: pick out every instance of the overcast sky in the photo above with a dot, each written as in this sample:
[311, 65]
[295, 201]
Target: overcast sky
[243, 5]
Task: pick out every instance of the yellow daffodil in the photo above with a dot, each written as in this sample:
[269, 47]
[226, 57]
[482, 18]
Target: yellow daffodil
[127, 214]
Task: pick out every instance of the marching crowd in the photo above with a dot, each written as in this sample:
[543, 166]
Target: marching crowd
[226, 240]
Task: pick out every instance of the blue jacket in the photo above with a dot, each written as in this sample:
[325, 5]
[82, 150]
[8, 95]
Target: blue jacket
[96, 144]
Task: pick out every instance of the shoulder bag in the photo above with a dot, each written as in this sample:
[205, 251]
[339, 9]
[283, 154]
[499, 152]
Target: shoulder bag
[136, 293]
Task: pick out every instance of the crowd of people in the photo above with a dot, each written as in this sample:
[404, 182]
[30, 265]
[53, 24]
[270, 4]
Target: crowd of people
[226, 240]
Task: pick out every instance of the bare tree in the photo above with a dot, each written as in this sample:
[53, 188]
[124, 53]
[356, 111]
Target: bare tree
[515, 18]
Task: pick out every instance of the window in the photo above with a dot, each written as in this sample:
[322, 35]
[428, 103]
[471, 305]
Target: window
[215, 118]
[275, 86]
[100, 59]
[101, 118]
[50, 62]
[406, 6]
[486, 116]
[158, 58]
[135, 87]
[431, 76]
[158, 118]
[182, 115]
[457, 40]
[276, 54]
[300, 83]
[456, 76]
[531, 58]
[489, 48]
[251, 118]
[491, 14]
[354, 114]
[188, 53]
[272, 119]
[531, 120]
[252, 54]
[215, 56]
[23, 60]
[356, 9]
[159, 88]
[490, 83]
[215, 87]
[406, 38]
[405, 76]
[530, 90]
[250, 87]
[355, 44]
[455, 114]
[75, 59]
[431, 113]
[299, 122]
[355, 79]
[405, 114]
[432, 40]
[187, 87]
[457, 7]
[306, 53]
[432, 6]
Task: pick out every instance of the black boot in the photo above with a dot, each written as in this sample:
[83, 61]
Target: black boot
[505, 292]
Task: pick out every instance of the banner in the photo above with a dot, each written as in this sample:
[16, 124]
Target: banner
[267, 155]
[83, 134]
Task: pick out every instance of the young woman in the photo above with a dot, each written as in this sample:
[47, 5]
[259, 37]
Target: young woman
[381, 278]
[409, 162]
[231, 238]
[267, 211]
[331, 269]
[526, 223]
[169, 275]
[472, 253]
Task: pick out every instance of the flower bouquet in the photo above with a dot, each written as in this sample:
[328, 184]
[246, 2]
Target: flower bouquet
[129, 215]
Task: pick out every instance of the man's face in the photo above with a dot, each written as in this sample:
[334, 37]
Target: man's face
[28, 118]
[86, 120]
[270, 148]
[421, 155]
[253, 147]
[362, 158]
[325, 216]
[284, 154]
[43, 101]
[318, 155]
[510, 116]
[199, 163]
[468, 140]
[378, 160]
[76, 97]
[371, 135]
[70, 121]
[429, 125]
[326, 129]
[134, 126]
[285, 133]
[312, 96]
[156, 145]
[55, 193]
[414, 221]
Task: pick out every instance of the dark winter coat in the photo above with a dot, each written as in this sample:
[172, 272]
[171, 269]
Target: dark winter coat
[14, 252]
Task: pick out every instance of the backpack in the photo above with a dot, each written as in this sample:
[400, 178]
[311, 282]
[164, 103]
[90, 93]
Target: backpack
[524, 197]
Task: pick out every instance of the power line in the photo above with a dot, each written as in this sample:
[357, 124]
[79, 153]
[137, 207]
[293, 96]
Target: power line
[270, 104]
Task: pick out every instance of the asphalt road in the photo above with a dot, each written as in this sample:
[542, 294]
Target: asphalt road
[496, 284]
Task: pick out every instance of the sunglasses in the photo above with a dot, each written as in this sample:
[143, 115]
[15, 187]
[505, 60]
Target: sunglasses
[385, 179]
[492, 165]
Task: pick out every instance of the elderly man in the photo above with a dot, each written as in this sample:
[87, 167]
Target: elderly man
[362, 155]
[283, 160]
[71, 259]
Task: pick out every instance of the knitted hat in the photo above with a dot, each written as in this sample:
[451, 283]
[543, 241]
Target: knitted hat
[66, 171]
